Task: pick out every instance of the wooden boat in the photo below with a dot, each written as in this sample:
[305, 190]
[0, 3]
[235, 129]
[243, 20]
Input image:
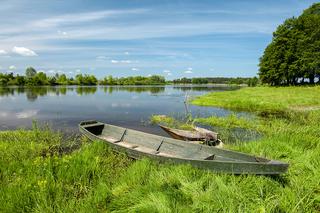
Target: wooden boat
[138, 145]
[197, 134]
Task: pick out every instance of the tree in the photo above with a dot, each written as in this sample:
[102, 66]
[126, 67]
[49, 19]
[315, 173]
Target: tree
[294, 52]
[30, 72]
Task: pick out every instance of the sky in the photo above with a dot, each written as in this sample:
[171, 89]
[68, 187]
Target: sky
[137, 37]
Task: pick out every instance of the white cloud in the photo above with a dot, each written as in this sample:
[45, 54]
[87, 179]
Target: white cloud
[101, 57]
[188, 72]
[70, 72]
[82, 17]
[12, 67]
[126, 53]
[121, 61]
[189, 68]
[169, 74]
[3, 52]
[134, 69]
[149, 75]
[63, 33]
[166, 71]
[78, 70]
[23, 51]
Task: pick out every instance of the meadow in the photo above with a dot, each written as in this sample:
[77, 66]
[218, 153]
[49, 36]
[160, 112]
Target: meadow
[44, 171]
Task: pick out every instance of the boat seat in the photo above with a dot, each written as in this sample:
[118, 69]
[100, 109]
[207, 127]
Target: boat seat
[138, 148]
[165, 154]
[183, 150]
[110, 139]
[145, 140]
[127, 145]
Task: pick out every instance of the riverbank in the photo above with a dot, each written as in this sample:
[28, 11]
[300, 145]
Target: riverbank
[265, 100]
[37, 175]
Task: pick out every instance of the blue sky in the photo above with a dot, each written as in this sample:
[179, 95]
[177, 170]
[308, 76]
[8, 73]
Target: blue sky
[135, 37]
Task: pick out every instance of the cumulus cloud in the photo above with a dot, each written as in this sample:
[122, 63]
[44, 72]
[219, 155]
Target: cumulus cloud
[169, 73]
[78, 70]
[3, 52]
[134, 69]
[166, 71]
[12, 67]
[23, 51]
[126, 53]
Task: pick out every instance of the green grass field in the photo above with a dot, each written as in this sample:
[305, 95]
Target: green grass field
[36, 176]
[265, 100]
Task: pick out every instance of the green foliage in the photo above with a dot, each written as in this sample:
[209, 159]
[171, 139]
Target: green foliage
[133, 80]
[30, 72]
[86, 79]
[217, 80]
[294, 53]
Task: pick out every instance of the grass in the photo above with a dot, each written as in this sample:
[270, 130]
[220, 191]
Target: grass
[265, 100]
[36, 177]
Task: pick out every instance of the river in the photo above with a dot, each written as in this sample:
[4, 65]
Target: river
[63, 107]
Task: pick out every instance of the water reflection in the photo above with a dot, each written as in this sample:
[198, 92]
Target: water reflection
[136, 89]
[32, 93]
[128, 106]
[86, 90]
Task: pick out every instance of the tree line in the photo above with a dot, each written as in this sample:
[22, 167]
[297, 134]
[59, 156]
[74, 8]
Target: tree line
[34, 78]
[293, 56]
[218, 80]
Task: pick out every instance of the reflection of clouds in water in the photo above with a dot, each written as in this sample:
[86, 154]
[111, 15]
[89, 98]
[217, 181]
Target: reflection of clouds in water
[26, 114]
[121, 105]
[4, 114]
[134, 97]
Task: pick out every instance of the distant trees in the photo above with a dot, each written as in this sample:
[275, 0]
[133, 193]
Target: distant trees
[217, 80]
[133, 80]
[294, 53]
[30, 72]
[34, 78]
[86, 79]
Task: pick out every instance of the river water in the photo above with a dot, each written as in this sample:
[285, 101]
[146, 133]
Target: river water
[127, 106]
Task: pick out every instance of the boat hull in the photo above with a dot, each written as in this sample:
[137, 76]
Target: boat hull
[226, 165]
